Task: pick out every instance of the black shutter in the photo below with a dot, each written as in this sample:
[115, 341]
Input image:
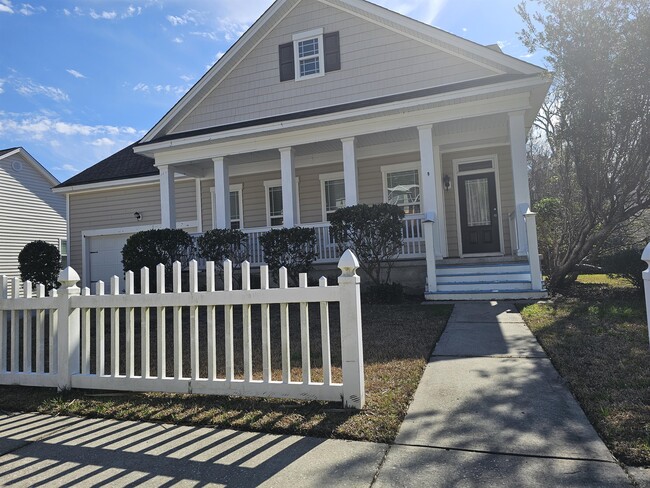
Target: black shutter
[332, 51]
[287, 70]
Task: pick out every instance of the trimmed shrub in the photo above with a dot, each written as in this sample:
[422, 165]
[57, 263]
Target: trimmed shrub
[373, 233]
[152, 247]
[293, 248]
[627, 264]
[40, 262]
[220, 244]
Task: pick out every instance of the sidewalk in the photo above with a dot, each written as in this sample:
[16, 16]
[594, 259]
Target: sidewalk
[490, 411]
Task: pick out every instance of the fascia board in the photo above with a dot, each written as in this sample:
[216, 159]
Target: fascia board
[149, 149]
[172, 154]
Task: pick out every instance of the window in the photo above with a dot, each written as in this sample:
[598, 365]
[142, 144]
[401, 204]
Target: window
[275, 205]
[236, 206]
[310, 54]
[402, 186]
[332, 193]
[236, 218]
[63, 250]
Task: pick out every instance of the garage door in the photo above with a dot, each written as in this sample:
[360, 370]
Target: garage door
[105, 259]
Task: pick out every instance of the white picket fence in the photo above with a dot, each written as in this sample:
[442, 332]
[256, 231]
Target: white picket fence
[72, 325]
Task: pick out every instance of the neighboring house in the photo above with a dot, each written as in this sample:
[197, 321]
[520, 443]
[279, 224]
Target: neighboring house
[326, 103]
[29, 210]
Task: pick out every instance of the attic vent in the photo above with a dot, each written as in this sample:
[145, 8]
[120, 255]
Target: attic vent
[17, 166]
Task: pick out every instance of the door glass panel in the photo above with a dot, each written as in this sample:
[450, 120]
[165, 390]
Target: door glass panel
[478, 202]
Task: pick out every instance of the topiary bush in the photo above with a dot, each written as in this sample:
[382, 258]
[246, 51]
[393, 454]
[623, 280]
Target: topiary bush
[152, 247]
[293, 248]
[625, 263]
[373, 233]
[40, 262]
[220, 244]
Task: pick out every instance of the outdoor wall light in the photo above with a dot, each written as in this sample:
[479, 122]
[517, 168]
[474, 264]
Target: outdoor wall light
[138, 216]
[446, 182]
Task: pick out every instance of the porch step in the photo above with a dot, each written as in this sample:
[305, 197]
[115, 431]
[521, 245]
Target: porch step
[484, 281]
[486, 295]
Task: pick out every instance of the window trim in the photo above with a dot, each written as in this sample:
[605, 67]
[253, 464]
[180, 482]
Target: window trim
[67, 253]
[305, 36]
[325, 177]
[238, 187]
[396, 168]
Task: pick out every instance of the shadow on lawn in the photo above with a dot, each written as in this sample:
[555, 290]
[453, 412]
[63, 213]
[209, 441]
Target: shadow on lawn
[398, 340]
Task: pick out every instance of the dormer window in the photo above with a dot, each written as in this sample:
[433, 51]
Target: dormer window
[308, 50]
[309, 55]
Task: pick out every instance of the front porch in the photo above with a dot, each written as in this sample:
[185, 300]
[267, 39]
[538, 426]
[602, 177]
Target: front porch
[457, 169]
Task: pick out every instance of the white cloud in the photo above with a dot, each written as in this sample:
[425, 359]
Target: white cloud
[190, 16]
[206, 35]
[423, 10]
[28, 88]
[527, 55]
[28, 9]
[141, 87]
[177, 40]
[160, 88]
[6, 7]
[104, 15]
[185, 78]
[216, 58]
[67, 168]
[103, 141]
[2, 82]
[67, 12]
[175, 20]
[131, 11]
[75, 73]
[502, 44]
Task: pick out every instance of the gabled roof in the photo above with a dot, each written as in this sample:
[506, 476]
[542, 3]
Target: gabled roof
[501, 63]
[121, 165]
[21, 151]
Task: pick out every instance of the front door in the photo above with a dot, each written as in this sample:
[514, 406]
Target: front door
[479, 217]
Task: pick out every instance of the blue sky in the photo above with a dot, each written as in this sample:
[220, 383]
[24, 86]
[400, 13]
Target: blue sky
[81, 79]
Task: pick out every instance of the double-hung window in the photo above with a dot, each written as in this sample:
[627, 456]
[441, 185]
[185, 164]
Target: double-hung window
[402, 186]
[332, 193]
[236, 207]
[274, 206]
[308, 53]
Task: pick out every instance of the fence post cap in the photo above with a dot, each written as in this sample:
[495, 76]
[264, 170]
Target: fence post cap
[348, 264]
[529, 212]
[68, 277]
[646, 254]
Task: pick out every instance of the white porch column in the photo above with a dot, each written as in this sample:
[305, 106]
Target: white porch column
[517, 129]
[429, 203]
[350, 178]
[288, 171]
[167, 198]
[221, 210]
[440, 201]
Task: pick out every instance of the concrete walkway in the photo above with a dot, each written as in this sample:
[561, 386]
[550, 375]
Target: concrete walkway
[490, 411]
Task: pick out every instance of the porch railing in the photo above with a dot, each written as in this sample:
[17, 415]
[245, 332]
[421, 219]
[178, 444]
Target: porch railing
[413, 243]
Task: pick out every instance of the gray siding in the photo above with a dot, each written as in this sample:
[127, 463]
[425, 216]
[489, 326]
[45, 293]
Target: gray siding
[506, 185]
[113, 209]
[375, 61]
[29, 211]
[311, 199]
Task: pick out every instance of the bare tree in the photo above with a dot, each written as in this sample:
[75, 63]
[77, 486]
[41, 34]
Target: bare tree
[595, 127]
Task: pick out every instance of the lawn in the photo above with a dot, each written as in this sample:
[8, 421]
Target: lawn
[597, 337]
[397, 339]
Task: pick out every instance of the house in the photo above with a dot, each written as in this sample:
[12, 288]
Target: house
[29, 210]
[325, 103]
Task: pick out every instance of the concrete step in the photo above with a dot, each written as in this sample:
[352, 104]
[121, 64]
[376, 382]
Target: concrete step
[482, 286]
[486, 295]
[495, 277]
[447, 270]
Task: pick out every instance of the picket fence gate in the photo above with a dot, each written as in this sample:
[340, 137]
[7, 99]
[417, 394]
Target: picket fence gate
[66, 322]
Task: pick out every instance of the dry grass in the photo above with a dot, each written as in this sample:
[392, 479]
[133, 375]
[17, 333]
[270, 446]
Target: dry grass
[597, 337]
[398, 340]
